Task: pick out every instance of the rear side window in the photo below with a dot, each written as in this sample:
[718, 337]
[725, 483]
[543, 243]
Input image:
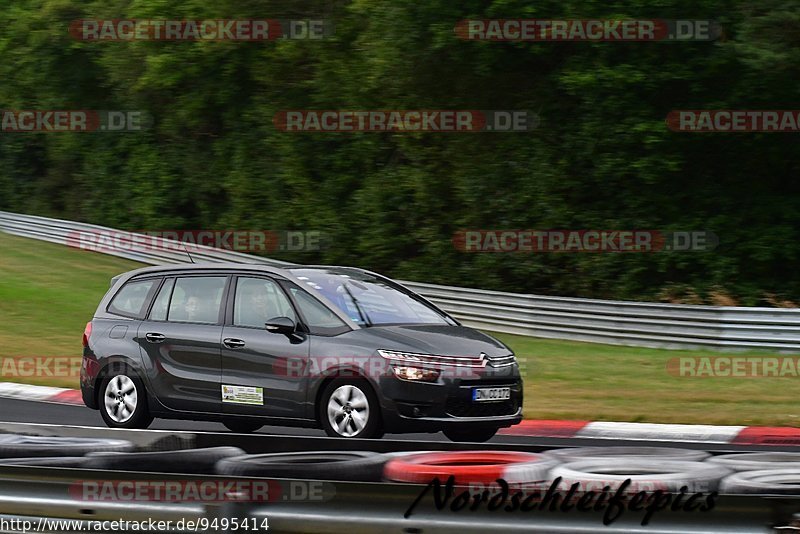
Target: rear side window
[161, 304]
[130, 300]
[197, 299]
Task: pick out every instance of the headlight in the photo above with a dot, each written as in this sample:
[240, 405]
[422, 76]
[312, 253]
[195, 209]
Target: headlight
[416, 374]
[402, 356]
[432, 359]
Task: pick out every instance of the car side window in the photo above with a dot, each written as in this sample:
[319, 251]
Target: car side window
[258, 300]
[318, 317]
[161, 304]
[130, 300]
[197, 299]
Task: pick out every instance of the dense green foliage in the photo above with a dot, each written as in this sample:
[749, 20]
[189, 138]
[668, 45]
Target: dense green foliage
[602, 157]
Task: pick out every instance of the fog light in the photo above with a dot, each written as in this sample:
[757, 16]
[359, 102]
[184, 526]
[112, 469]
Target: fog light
[416, 374]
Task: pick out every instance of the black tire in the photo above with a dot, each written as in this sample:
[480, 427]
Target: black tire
[784, 481]
[470, 435]
[758, 461]
[140, 417]
[19, 446]
[193, 461]
[358, 466]
[655, 454]
[641, 474]
[70, 462]
[242, 427]
[373, 429]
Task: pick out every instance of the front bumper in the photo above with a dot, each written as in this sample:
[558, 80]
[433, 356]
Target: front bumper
[431, 407]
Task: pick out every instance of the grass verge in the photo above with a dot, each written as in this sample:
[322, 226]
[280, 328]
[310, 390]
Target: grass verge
[47, 294]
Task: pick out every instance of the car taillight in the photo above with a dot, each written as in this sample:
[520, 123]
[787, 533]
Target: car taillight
[87, 332]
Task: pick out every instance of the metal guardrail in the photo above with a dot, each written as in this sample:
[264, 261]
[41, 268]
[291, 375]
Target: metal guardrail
[68, 233]
[620, 322]
[613, 322]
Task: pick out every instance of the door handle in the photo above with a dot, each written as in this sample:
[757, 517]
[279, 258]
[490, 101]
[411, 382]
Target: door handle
[154, 337]
[233, 343]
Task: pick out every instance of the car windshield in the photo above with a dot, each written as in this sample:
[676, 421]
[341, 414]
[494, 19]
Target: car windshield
[368, 300]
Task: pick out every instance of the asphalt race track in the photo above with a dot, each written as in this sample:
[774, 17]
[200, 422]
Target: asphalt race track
[19, 411]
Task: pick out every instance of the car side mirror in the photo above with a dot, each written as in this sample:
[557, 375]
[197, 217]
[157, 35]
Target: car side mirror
[280, 325]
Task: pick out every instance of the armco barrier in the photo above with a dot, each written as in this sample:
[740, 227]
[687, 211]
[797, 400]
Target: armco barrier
[614, 322]
[59, 231]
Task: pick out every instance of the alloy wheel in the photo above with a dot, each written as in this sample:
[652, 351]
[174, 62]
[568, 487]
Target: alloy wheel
[348, 410]
[121, 398]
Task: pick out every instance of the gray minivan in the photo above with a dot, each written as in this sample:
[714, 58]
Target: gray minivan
[337, 348]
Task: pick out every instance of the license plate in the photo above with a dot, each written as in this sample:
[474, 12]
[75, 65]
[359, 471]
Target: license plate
[491, 394]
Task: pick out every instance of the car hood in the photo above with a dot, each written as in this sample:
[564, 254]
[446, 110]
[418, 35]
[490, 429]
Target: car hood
[442, 340]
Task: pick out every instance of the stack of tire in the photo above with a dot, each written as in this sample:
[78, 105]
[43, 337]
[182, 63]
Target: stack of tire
[592, 468]
[119, 455]
[45, 451]
[106, 454]
[766, 473]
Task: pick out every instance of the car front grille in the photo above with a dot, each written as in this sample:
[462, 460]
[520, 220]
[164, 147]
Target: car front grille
[502, 361]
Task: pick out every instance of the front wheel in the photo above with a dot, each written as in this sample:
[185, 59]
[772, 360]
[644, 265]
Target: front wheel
[123, 400]
[470, 435]
[349, 409]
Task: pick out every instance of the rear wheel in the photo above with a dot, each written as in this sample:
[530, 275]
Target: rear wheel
[470, 435]
[348, 408]
[123, 400]
[242, 427]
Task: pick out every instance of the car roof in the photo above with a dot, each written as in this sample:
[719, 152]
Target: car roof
[228, 266]
[177, 268]
[183, 267]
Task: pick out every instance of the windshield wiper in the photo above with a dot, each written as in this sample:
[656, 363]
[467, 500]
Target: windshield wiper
[361, 312]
